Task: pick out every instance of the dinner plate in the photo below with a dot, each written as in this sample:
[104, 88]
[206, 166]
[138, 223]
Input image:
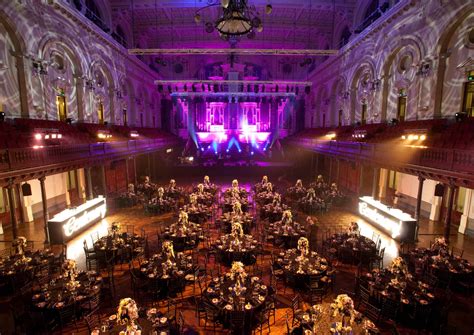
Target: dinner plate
[210, 290]
[152, 311]
[423, 302]
[263, 287]
[41, 304]
[248, 306]
[261, 298]
[163, 319]
[215, 301]
[228, 307]
[59, 304]
[151, 275]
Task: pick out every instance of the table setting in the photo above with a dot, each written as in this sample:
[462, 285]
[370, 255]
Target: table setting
[184, 234]
[237, 246]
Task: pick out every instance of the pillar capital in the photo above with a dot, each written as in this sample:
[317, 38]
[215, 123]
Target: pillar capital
[421, 178]
[42, 179]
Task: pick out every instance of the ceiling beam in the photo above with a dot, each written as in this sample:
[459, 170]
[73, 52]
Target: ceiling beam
[227, 51]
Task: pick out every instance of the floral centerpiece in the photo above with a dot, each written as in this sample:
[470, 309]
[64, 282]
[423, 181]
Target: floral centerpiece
[19, 244]
[303, 247]
[69, 271]
[299, 184]
[237, 209]
[287, 218]
[168, 249]
[398, 267]
[183, 219]
[160, 193]
[200, 188]
[311, 194]
[440, 245]
[127, 315]
[354, 228]
[235, 184]
[172, 184]
[115, 228]
[237, 272]
[343, 306]
[193, 199]
[237, 230]
[207, 181]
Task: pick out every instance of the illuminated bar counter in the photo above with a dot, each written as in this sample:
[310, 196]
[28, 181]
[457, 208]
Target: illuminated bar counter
[401, 226]
[69, 223]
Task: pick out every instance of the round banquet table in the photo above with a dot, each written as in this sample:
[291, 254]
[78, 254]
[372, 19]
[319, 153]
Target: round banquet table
[272, 213]
[296, 193]
[167, 275]
[298, 270]
[184, 240]
[231, 250]
[246, 220]
[383, 284]
[228, 205]
[444, 266]
[198, 214]
[351, 248]
[55, 296]
[286, 236]
[121, 247]
[223, 298]
[159, 206]
[150, 321]
[319, 319]
[15, 271]
[265, 198]
[312, 206]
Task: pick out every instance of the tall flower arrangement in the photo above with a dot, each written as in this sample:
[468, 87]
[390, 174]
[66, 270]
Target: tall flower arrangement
[237, 230]
[287, 217]
[303, 246]
[354, 228]
[237, 208]
[127, 314]
[168, 249]
[19, 244]
[343, 306]
[237, 272]
[398, 267]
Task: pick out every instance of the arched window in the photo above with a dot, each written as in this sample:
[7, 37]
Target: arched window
[468, 100]
[93, 13]
[119, 36]
[345, 36]
[373, 6]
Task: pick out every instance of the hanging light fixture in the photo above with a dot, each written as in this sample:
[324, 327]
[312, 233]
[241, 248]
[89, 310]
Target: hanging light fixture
[238, 18]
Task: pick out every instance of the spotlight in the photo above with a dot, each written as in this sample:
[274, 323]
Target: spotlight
[46, 137]
[460, 116]
[423, 137]
[404, 137]
[38, 136]
[268, 9]
[60, 136]
[410, 137]
[197, 18]
[415, 137]
[2, 116]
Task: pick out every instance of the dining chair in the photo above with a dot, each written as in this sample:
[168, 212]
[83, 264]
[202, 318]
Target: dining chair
[390, 309]
[296, 310]
[372, 312]
[238, 322]
[263, 321]
[93, 321]
[457, 252]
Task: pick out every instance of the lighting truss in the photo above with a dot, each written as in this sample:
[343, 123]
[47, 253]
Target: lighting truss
[227, 51]
[244, 82]
[231, 94]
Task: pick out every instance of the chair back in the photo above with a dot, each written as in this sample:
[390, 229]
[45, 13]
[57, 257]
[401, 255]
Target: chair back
[372, 312]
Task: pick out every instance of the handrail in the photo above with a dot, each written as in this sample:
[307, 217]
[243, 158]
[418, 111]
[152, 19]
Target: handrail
[443, 159]
[23, 158]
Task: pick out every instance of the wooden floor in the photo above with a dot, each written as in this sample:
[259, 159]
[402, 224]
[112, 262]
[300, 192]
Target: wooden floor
[463, 308]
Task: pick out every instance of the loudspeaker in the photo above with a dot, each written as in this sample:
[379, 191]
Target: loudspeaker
[439, 190]
[26, 189]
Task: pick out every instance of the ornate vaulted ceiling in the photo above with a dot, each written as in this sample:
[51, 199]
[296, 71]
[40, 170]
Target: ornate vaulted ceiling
[292, 24]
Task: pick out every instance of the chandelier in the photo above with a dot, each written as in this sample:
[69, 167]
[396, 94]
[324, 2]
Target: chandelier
[237, 19]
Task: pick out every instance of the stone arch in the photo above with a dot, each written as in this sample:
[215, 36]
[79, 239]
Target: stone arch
[396, 78]
[360, 12]
[128, 100]
[339, 101]
[360, 89]
[104, 91]
[17, 54]
[322, 105]
[70, 78]
[442, 51]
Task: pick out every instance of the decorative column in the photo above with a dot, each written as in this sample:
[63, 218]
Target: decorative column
[375, 183]
[126, 172]
[11, 201]
[44, 201]
[383, 181]
[361, 178]
[421, 180]
[467, 217]
[19, 198]
[447, 220]
[135, 170]
[90, 193]
[104, 180]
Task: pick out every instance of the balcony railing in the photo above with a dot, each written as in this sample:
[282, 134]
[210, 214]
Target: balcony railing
[448, 160]
[25, 158]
